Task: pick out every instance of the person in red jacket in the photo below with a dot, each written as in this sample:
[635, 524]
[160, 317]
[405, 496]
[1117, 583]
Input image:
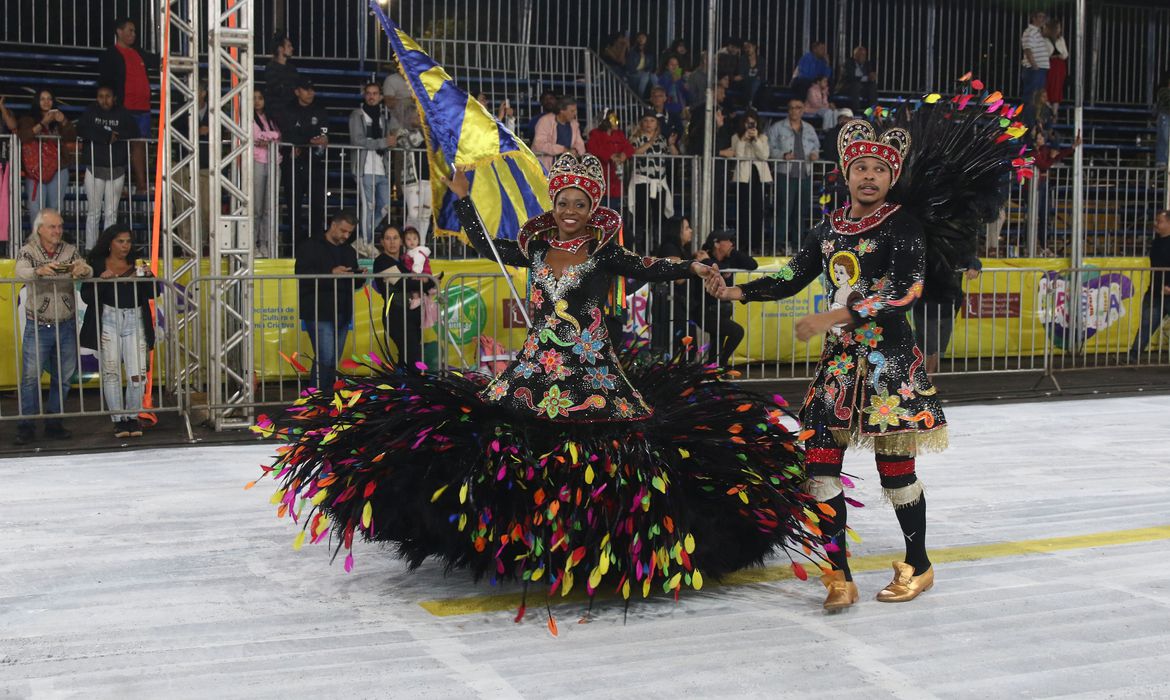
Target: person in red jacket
[609, 143]
[128, 69]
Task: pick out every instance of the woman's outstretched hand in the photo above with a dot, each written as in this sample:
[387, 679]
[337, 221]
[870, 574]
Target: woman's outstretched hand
[717, 287]
[458, 183]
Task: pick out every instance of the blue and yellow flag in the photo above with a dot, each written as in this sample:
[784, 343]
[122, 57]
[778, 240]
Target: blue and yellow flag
[508, 185]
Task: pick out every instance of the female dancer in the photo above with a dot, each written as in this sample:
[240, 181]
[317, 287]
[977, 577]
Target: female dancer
[563, 468]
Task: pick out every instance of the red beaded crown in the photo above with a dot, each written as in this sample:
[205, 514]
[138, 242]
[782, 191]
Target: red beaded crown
[585, 174]
[857, 139]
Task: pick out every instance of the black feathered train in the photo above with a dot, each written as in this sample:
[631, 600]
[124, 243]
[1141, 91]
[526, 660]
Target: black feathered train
[709, 484]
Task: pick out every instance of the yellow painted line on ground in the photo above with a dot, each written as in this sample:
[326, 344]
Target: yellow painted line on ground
[447, 607]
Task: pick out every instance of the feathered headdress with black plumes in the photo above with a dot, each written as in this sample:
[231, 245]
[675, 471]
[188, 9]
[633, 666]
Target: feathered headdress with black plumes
[956, 177]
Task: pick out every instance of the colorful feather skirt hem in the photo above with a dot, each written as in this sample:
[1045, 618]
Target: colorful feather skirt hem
[712, 482]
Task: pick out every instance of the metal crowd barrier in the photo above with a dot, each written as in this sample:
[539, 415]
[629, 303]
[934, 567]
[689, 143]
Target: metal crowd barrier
[39, 355]
[287, 338]
[1008, 320]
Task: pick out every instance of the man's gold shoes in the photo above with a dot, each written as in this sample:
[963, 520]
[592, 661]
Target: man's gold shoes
[842, 593]
[905, 586]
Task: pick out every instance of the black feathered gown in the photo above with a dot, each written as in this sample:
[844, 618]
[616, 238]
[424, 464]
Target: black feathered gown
[564, 470]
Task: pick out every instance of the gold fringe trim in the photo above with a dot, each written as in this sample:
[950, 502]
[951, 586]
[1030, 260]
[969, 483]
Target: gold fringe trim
[909, 442]
[823, 488]
[905, 496]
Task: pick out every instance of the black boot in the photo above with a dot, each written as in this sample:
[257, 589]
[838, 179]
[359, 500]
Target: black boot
[56, 430]
[912, 518]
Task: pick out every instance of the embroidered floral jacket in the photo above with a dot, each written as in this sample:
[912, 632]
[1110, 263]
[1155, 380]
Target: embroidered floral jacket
[871, 379]
[567, 370]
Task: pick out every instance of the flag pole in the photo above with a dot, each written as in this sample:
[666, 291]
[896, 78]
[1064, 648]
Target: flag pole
[520, 303]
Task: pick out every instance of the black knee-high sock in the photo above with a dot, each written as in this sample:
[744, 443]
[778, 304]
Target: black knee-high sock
[834, 529]
[912, 518]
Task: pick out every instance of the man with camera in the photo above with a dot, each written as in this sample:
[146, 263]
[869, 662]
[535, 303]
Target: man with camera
[50, 266]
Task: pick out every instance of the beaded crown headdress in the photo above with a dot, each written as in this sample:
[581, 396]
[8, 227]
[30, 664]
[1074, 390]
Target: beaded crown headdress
[584, 173]
[857, 139]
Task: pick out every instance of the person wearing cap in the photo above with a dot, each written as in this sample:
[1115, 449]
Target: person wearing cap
[726, 334]
[843, 115]
[871, 388]
[305, 125]
[857, 81]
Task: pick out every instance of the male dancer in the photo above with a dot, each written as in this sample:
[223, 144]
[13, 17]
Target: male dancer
[870, 388]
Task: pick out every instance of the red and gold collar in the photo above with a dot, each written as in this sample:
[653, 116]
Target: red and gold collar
[605, 223]
[841, 223]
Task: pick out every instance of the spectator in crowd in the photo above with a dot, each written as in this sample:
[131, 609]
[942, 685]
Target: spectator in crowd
[934, 314]
[1039, 112]
[609, 143]
[753, 72]
[842, 116]
[418, 256]
[674, 85]
[119, 325]
[728, 62]
[816, 103]
[506, 115]
[1057, 63]
[326, 306]
[648, 198]
[416, 174]
[697, 82]
[549, 104]
[558, 133]
[678, 49]
[402, 314]
[306, 127]
[794, 141]
[670, 121]
[105, 125]
[46, 137]
[857, 80]
[639, 65]
[1156, 303]
[696, 142]
[280, 77]
[50, 266]
[374, 132]
[616, 51]
[750, 175]
[812, 65]
[7, 126]
[1047, 154]
[726, 334]
[127, 69]
[1037, 51]
[673, 304]
[266, 136]
[397, 95]
[1162, 110]
[697, 133]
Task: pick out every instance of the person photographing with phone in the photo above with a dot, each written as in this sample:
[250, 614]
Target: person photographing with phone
[326, 305]
[50, 266]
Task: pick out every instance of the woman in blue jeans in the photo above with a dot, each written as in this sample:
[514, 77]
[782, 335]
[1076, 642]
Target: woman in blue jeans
[119, 325]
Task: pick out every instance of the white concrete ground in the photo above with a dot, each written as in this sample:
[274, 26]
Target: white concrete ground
[155, 575]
